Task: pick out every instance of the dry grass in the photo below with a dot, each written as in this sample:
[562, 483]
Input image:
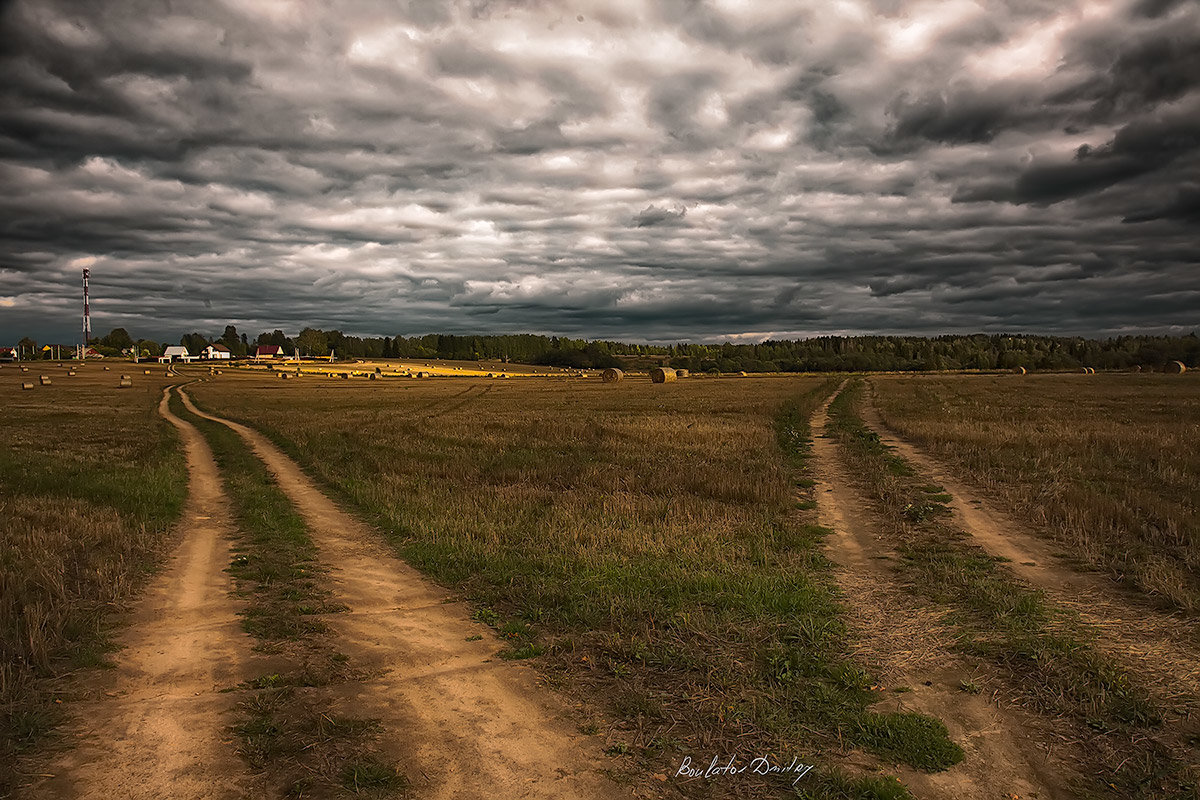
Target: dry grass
[647, 540]
[1106, 466]
[92, 485]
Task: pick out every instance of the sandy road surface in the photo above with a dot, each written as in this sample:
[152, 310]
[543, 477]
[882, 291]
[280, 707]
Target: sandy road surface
[1002, 759]
[155, 727]
[461, 723]
[1161, 647]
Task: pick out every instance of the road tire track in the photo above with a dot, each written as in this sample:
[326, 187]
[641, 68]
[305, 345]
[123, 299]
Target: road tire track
[155, 727]
[905, 641]
[1161, 647]
[463, 724]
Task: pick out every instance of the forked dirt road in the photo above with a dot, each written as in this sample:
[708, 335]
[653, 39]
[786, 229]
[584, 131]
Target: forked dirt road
[1162, 648]
[461, 723]
[156, 727]
[1002, 759]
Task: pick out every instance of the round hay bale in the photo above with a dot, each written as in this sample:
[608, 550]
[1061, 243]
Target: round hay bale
[45, 379]
[125, 383]
[71, 374]
[1175, 368]
[375, 375]
[106, 369]
[662, 375]
[147, 372]
[24, 369]
[284, 376]
[1019, 370]
[612, 375]
[345, 376]
[743, 374]
[682, 373]
[422, 374]
[26, 385]
[124, 377]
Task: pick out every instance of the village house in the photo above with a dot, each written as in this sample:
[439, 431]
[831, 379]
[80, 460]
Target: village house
[176, 353]
[215, 352]
[265, 351]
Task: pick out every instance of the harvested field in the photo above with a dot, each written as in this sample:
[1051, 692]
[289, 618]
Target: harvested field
[1105, 468]
[94, 480]
[646, 551]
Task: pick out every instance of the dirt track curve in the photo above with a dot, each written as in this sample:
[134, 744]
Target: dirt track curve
[155, 727]
[1162, 648]
[463, 724]
[1001, 759]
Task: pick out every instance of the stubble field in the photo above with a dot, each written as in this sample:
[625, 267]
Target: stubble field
[653, 551]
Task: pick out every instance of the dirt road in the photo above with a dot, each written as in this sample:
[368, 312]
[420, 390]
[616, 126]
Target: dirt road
[155, 727]
[463, 724]
[1162, 648]
[905, 642]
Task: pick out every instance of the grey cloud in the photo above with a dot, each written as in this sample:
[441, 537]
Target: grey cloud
[653, 215]
[414, 167]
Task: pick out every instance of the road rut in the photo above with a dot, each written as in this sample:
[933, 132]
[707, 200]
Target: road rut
[155, 727]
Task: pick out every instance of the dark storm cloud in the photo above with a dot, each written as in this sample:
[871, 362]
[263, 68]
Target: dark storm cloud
[649, 169]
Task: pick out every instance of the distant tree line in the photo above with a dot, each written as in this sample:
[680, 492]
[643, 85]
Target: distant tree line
[819, 354]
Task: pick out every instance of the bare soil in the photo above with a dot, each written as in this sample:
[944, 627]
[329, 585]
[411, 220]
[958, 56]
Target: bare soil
[154, 727]
[1004, 756]
[462, 723]
[1162, 648]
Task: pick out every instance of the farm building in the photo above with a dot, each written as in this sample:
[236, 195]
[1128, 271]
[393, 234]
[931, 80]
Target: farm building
[215, 352]
[92, 352]
[177, 353]
[8, 354]
[269, 351]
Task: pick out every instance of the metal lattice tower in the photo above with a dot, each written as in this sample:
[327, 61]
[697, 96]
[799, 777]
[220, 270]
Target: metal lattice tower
[87, 315]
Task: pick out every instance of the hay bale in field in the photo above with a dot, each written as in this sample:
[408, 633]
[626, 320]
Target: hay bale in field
[24, 369]
[662, 375]
[71, 374]
[125, 382]
[1019, 370]
[682, 373]
[345, 376]
[1175, 368]
[612, 375]
[422, 374]
[45, 379]
[284, 376]
[106, 369]
[147, 372]
[26, 385]
[742, 374]
[375, 375]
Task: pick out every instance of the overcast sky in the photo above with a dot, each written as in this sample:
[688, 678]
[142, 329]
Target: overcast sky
[653, 171]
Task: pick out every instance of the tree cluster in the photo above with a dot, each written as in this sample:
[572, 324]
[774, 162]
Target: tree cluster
[819, 354]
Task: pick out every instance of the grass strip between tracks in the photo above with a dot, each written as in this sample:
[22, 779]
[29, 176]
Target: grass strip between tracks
[287, 728]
